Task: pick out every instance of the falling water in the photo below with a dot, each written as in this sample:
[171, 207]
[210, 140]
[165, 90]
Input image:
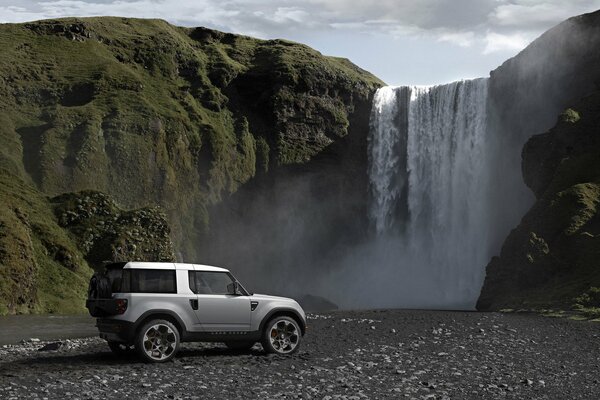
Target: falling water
[428, 179]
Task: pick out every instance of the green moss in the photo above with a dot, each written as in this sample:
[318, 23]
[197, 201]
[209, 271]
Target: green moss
[589, 299]
[262, 154]
[38, 259]
[559, 262]
[570, 116]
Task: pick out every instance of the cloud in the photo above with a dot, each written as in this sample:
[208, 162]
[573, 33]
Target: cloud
[462, 39]
[497, 42]
[488, 25]
[530, 15]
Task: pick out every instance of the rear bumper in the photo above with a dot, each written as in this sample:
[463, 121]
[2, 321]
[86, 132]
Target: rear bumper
[115, 330]
[102, 307]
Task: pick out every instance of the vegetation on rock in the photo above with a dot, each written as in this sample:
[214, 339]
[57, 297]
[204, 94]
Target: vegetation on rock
[589, 303]
[570, 115]
[552, 256]
[48, 246]
[153, 115]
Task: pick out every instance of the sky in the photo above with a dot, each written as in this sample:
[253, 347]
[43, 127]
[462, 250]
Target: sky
[403, 42]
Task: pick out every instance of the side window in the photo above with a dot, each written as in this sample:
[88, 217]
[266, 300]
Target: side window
[212, 282]
[192, 280]
[152, 281]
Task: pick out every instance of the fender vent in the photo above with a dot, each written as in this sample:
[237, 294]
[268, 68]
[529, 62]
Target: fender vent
[253, 305]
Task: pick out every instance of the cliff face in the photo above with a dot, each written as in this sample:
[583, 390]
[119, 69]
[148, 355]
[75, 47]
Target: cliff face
[48, 245]
[551, 258]
[157, 115]
[526, 95]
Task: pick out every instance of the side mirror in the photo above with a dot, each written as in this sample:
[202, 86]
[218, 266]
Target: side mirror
[233, 288]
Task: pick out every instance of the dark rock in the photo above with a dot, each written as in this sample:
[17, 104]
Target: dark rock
[548, 259]
[51, 346]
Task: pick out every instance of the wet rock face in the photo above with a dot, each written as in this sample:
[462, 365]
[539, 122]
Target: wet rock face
[527, 95]
[551, 257]
[106, 233]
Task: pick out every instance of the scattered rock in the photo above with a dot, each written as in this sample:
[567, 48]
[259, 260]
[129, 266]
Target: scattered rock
[51, 346]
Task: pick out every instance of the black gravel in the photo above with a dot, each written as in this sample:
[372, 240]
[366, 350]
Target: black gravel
[345, 355]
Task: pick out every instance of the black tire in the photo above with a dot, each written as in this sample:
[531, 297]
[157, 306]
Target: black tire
[281, 335]
[120, 349]
[157, 341]
[240, 346]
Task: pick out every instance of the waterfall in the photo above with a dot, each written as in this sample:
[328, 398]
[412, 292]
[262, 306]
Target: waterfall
[428, 188]
[387, 166]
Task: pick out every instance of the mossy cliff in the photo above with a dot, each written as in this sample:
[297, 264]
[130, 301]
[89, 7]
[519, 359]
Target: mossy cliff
[527, 94]
[158, 115]
[552, 257]
[47, 246]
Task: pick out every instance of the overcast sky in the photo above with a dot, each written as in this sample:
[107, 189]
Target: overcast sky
[401, 41]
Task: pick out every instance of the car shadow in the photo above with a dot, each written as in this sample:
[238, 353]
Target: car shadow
[108, 359]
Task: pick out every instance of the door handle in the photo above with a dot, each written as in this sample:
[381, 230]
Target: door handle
[194, 304]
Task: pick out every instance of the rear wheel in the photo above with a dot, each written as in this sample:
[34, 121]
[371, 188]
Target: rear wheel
[120, 348]
[239, 345]
[282, 335]
[157, 341]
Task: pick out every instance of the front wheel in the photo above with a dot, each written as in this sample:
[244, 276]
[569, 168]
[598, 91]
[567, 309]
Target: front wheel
[157, 341]
[282, 335]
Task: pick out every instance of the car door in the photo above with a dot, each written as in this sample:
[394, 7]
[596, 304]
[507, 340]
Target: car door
[217, 309]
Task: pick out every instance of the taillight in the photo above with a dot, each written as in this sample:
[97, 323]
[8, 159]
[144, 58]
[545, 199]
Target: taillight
[121, 306]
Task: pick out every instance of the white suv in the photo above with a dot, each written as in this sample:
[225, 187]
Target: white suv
[156, 306]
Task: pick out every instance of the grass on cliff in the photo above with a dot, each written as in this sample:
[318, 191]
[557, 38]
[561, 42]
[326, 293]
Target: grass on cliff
[41, 268]
[149, 113]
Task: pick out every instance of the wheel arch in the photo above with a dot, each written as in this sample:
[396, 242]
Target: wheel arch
[167, 315]
[287, 312]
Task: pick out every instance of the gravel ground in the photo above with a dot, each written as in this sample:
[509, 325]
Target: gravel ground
[345, 355]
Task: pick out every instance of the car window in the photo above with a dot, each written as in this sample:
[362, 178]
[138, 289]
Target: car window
[152, 281]
[212, 282]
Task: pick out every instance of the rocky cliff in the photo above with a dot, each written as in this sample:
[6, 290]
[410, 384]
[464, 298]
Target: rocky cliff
[158, 115]
[527, 94]
[48, 245]
[551, 258]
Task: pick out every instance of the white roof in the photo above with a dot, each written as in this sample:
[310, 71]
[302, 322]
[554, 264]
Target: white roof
[200, 267]
[173, 266]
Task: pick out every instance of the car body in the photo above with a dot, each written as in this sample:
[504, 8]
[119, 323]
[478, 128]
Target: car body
[203, 303]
